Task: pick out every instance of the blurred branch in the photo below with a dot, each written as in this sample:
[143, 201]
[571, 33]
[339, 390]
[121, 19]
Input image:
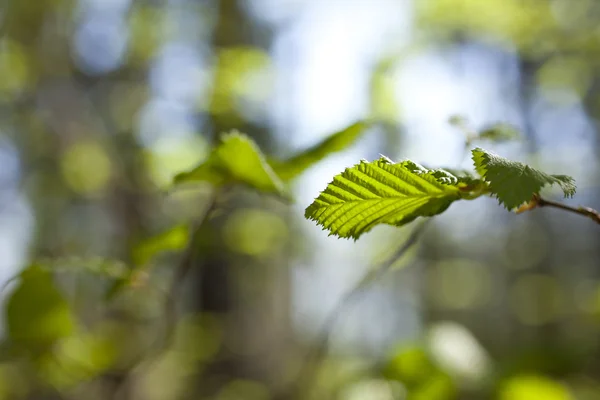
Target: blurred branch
[4, 19]
[316, 355]
[183, 268]
[170, 313]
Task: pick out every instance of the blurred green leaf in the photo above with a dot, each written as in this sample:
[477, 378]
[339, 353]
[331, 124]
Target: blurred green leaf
[524, 24]
[173, 239]
[438, 387]
[500, 133]
[533, 388]
[336, 142]
[411, 366]
[459, 121]
[236, 159]
[418, 372]
[37, 314]
[244, 389]
[81, 356]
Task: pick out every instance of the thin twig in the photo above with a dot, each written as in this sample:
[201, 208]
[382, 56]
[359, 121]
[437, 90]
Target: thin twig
[185, 265]
[584, 211]
[170, 313]
[316, 355]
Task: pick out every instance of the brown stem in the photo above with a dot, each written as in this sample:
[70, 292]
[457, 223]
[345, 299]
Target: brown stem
[585, 211]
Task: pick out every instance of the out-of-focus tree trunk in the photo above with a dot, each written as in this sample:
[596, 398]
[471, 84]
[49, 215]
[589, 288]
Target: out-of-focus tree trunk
[248, 295]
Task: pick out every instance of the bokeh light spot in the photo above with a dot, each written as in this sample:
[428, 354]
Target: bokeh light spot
[86, 167]
[537, 299]
[15, 71]
[255, 232]
[460, 284]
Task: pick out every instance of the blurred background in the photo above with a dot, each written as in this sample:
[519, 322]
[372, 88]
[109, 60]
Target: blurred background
[102, 102]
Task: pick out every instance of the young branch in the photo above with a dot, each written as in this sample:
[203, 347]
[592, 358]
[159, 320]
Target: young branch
[170, 314]
[316, 355]
[584, 211]
[185, 265]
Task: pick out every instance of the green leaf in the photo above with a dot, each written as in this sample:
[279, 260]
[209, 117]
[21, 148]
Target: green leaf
[450, 176]
[527, 387]
[459, 121]
[37, 314]
[173, 239]
[82, 357]
[237, 159]
[382, 192]
[339, 141]
[514, 183]
[411, 365]
[500, 132]
[464, 178]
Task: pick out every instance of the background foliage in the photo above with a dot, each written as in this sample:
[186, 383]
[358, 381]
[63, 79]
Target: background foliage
[128, 276]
